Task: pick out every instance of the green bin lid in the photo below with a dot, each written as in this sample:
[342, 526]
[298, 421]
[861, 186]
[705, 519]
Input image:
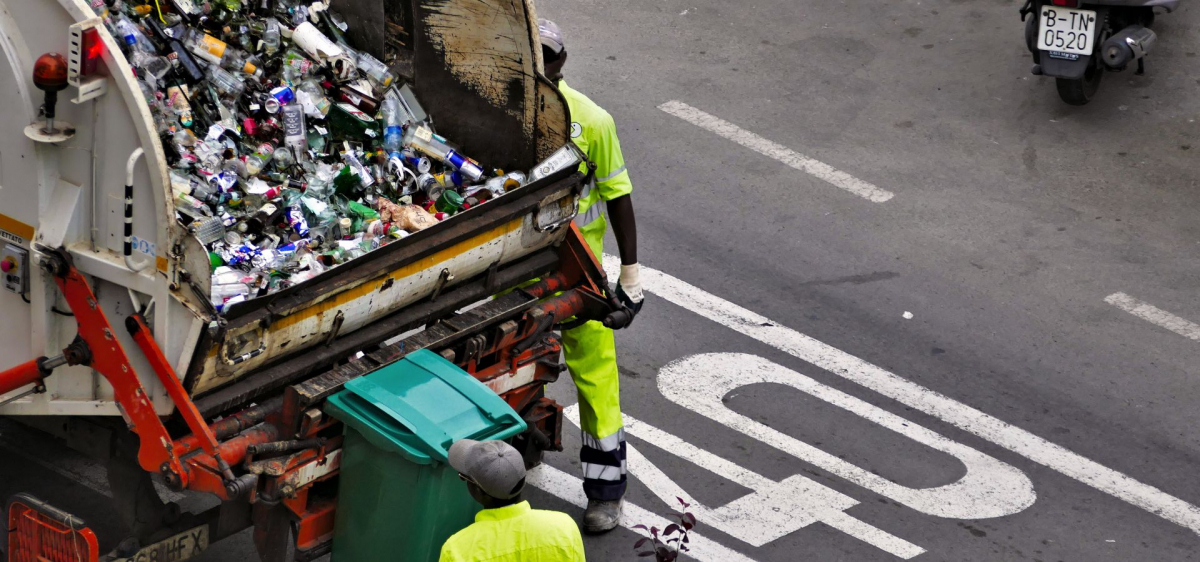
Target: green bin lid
[418, 406]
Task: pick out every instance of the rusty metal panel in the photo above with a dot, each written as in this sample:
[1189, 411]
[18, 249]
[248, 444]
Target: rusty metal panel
[476, 67]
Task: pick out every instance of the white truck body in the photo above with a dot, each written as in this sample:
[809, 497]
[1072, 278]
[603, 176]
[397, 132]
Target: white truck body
[71, 194]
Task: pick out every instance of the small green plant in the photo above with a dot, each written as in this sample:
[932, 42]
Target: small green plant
[666, 547]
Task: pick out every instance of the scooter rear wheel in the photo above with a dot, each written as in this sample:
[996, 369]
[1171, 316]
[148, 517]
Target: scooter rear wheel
[1080, 91]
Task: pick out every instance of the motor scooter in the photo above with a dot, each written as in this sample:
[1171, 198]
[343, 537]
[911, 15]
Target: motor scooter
[1077, 41]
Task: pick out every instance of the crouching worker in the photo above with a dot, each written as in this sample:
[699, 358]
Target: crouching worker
[507, 530]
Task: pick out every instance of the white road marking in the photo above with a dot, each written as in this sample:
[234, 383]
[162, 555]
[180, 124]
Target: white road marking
[772, 149]
[1155, 315]
[570, 488]
[990, 488]
[772, 511]
[917, 397]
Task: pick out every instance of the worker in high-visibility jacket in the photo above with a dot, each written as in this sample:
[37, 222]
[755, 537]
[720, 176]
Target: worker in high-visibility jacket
[590, 349]
[507, 529]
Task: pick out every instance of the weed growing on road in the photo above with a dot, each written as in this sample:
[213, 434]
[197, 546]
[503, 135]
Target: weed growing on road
[673, 540]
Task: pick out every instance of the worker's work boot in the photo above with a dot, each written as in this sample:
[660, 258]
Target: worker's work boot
[601, 516]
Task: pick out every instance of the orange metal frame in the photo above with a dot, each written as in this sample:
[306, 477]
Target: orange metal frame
[203, 460]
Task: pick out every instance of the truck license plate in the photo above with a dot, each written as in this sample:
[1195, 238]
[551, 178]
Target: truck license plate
[1066, 30]
[184, 546]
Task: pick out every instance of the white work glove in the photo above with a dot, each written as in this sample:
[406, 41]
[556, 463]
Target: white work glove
[629, 288]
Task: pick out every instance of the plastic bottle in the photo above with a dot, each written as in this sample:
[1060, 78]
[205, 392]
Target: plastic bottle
[393, 119]
[295, 66]
[377, 72]
[219, 53]
[132, 37]
[191, 206]
[270, 37]
[209, 230]
[312, 98]
[421, 138]
[283, 158]
[226, 83]
[259, 160]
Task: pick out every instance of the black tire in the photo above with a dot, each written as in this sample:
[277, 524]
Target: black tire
[1081, 91]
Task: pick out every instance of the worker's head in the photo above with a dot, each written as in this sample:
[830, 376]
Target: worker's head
[554, 50]
[493, 470]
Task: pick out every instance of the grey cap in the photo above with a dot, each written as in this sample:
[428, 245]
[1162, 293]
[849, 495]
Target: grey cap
[495, 466]
[551, 36]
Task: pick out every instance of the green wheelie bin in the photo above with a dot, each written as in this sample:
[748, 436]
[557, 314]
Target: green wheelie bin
[398, 499]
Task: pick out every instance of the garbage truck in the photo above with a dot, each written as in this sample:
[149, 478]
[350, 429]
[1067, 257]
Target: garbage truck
[111, 341]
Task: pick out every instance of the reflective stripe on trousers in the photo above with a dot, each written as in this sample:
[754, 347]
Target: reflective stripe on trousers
[604, 471]
[590, 351]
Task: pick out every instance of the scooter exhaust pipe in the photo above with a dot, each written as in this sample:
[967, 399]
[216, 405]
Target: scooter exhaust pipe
[1129, 44]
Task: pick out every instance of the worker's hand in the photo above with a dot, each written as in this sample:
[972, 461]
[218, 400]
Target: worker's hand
[629, 288]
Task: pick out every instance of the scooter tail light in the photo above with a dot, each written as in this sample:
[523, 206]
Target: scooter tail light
[1066, 3]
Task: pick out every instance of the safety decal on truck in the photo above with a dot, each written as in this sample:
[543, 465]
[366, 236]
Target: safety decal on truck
[6, 235]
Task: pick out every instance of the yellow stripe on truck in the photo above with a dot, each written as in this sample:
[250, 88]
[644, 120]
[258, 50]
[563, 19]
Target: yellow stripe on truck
[419, 265]
[16, 227]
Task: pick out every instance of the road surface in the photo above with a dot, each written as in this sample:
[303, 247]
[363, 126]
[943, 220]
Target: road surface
[903, 302]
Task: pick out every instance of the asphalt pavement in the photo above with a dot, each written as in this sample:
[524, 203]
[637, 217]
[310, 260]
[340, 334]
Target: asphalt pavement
[904, 303]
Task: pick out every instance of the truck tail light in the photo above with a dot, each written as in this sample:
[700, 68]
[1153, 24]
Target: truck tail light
[83, 60]
[86, 51]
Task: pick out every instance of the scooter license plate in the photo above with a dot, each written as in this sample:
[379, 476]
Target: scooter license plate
[1067, 30]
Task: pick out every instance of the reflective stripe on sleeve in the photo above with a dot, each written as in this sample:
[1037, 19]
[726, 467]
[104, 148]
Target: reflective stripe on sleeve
[588, 217]
[616, 173]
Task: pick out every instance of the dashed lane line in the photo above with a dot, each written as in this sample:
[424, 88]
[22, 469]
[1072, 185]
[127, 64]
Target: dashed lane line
[1155, 315]
[772, 149]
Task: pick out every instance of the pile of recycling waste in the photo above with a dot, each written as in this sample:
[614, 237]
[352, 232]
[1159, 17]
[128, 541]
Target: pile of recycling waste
[290, 151]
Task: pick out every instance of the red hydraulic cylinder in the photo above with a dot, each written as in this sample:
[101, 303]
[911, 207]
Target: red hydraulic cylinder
[26, 373]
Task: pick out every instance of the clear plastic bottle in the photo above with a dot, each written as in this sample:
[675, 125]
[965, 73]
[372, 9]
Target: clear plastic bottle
[255, 163]
[209, 230]
[296, 66]
[270, 37]
[375, 71]
[226, 83]
[191, 206]
[393, 119]
[133, 37]
[219, 53]
[312, 98]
